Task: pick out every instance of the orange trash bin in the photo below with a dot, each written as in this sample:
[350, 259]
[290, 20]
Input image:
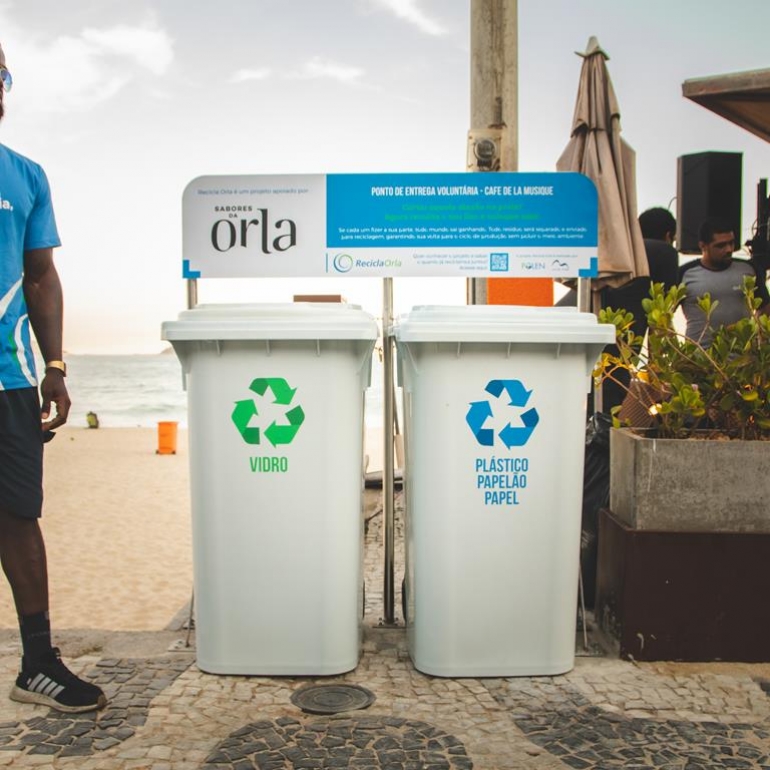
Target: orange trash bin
[166, 438]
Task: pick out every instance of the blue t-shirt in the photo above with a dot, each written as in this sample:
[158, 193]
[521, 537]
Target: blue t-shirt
[26, 222]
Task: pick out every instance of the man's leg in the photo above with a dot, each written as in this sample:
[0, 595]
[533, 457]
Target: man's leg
[43, 679]
[22, 550]
[22, 554]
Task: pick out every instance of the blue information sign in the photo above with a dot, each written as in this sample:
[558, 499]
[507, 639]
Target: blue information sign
[462, 224]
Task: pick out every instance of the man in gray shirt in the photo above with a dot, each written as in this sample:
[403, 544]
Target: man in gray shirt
[720, 275]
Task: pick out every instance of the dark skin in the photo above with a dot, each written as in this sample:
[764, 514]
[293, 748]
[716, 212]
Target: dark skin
[22, 549]
[43, 292]
[718, 254]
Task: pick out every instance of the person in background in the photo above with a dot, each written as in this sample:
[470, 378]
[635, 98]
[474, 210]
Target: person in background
[658, 230]
[720, 275]
[30, 296]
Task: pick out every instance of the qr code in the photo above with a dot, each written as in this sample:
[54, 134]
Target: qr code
[498, 262]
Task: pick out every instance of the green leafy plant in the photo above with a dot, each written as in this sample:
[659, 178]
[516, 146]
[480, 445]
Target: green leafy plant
[687, 388]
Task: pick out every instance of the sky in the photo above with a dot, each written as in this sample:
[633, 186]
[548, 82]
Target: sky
[124, 104]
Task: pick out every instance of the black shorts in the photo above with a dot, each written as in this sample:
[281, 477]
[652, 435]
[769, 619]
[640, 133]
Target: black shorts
[21, 453]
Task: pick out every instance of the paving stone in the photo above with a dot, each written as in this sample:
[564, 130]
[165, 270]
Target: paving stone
[167, 715]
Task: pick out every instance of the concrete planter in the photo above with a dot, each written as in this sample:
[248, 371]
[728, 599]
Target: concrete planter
[683, 551]
[689, 485]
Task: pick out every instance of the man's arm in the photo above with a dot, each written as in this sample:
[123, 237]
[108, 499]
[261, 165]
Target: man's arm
[761, 289]
[43, 293]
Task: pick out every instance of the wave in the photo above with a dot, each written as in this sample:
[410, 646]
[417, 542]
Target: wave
[142, 390]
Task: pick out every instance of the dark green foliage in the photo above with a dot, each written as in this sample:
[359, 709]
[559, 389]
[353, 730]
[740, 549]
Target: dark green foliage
[723, 388]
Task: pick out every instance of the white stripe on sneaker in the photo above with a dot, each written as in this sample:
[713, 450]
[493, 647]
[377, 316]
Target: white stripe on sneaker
[45, 686]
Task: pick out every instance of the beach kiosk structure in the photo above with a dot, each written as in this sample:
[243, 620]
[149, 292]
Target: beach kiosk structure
[743, 98]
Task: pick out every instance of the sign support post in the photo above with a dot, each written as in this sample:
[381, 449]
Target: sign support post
[388, 475]
[192, 293]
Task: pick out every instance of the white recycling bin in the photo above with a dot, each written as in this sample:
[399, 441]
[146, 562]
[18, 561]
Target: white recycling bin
[275, 430]
[494, 427]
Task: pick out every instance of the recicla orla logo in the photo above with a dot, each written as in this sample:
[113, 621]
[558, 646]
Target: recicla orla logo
[243, 228]
[5, 204]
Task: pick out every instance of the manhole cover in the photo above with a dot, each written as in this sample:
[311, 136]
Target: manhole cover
[332, 698]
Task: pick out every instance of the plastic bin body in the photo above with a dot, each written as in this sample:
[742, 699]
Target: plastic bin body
[277, 529]
[493, 531]
[167, 432]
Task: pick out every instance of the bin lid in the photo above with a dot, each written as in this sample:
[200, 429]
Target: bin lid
[273, 321]
[501, 323]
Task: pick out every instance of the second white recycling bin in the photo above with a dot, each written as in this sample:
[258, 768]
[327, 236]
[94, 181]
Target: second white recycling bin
[494, 422]
[275, 402]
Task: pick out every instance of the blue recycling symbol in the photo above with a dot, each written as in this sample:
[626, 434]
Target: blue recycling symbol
[481, 411]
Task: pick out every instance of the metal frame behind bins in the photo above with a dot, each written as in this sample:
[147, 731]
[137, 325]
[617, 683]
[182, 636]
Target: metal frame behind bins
[192, 301]
[388, 473]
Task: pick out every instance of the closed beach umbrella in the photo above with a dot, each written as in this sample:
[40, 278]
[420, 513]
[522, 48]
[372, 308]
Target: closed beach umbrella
[597, 150]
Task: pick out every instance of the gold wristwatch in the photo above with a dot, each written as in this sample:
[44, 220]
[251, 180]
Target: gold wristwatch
[59, 365]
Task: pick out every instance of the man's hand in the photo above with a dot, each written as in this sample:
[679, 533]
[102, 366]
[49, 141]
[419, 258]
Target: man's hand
[53, 390]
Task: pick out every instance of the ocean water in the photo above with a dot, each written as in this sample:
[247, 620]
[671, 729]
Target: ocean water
[129, 391]
[126, 391]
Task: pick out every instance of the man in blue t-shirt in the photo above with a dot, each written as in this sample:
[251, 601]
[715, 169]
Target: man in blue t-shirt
[30, 296]
[720, 275]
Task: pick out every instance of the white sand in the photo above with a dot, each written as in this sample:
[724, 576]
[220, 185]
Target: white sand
[116, 521]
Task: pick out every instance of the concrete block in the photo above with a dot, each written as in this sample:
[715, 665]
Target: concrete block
[689, 485]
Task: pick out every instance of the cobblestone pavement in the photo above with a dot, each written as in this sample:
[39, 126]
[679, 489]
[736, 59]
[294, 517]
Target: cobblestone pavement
[165, 714]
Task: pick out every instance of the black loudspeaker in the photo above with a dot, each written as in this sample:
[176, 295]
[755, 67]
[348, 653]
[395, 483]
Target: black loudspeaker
[708, 185]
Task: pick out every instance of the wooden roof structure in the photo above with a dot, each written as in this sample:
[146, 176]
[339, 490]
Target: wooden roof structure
[742, 98]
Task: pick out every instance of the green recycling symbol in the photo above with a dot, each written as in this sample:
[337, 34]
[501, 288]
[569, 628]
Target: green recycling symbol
[276, 434]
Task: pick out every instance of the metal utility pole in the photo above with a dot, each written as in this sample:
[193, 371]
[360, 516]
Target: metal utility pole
[493, 139]
[493, 145]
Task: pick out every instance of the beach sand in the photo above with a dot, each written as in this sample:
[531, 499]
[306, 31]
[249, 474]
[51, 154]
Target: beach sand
[117, 527]
[116, 521]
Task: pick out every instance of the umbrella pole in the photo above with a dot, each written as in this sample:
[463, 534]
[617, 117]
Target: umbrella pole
[584, 295]
[585, 305]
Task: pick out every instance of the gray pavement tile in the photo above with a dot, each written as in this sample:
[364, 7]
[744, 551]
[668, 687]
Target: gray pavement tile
[165, 714]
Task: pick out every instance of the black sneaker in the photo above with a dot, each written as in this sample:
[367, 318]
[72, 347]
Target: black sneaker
[51, 683]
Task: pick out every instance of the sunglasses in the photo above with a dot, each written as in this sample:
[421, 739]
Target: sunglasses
[5, 76]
